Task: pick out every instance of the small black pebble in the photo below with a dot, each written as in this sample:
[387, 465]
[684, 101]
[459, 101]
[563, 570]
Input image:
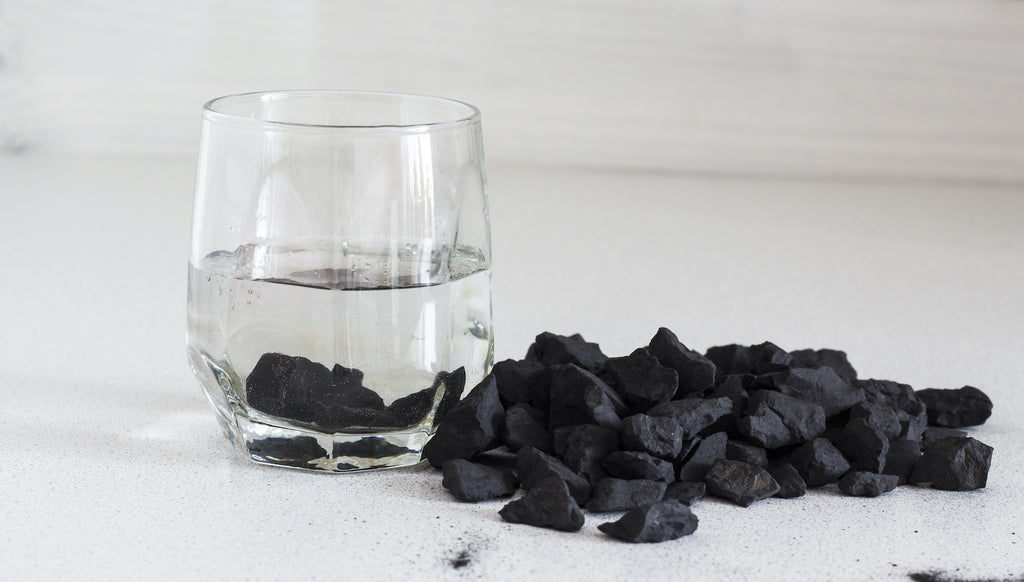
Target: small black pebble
[641, 380]
[967, 406]
[693, 414]
[741, 483]
[685, 492]
[658, 436]
[954, 464]
[658, 522]
[621, 494]
[696, 373]
[791, 484]
[470, 428]
[533, 466]
[747, 453]
[637, 465]
[471, 482]
[704, 455]
[547, 504]
[552, 350]
[819, 462]
[867, 484]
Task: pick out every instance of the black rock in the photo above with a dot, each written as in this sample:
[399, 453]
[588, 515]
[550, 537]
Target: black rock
[637, 465]
[747, 453]
[658, 436]
[579, 397]
[708, 450]
[693, 414]
[586, 448]
[621, 495]
[791, 484]
[819, 462]
[470, 428]
[412, 409]
[287, 387]
[641, 380]
[300, 451]
[903, 454]
[369, 447]
[966, 406]
[741, 483]
[546, 504]
[867, 484]
[912, 427]
[522, 428]
[517, 383]
[776, 420]
[347, 390]
[685, 492]
[892, 395]
[732, 359]
[552, 350]
[657, 522]
[954, 464]
[834, 359]
[559, 437]
[867, 446]
[733, 387]
[820, 386]
[696, 372]
[344, 417]
[879, 417]
[769, 357]
[471, 482]
[533, 466]
[933, 434]
[454, 384]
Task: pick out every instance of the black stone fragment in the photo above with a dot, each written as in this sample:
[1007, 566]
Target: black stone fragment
[733, 387]
[641, 380]
[523, 428]
[903, 454]
[658, 436]
[834, 359]
[696, 372]
[707, 451]
[658, 522]
[819, 462]
[287, 386]
[866, 446]
[933, 434]
[454, 384]
[586, 448]
[747, 453]
[559, 437]
[517, 383]
[472, 482]
[533, 466]
[776, 420]
[820, 386]
[546, 504]
[470, 428]
[621, 495]
[954, 464]
[769, 357]
[293, 452]
[739, 482]
[412, 409]
[370, 447]
[345, 417]
[693, 414]
[732, 359]
[637, 465]
[579, 397]
[347, 390]
[956, 408]
[685, 492]
[791, 484]
[894, 395]
[867, 484]
[878, 417]
[552, 350]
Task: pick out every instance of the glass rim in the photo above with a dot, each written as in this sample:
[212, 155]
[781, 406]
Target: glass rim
[211, 112]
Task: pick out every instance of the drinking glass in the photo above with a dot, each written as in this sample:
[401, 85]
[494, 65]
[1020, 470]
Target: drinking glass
[339, 295]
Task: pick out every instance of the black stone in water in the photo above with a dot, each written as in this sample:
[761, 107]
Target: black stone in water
[900, 460]
[470, 428]
[776, 420]
[658, 436]
[954, 464]
[791, 484]
[546, 504]
[472, 482]
[412, 409]
[739, 482]
[287, 387]
[933, 434]
[819, 462]
[685, 492]
[369, 447]
[621, 494]
[293, 452]
[821, 386]
[637, 465]
[957, 408]
[347, 390]
[747, 453]
[533, 466]
[586, 447]
[834, 359]
[867, 484]
[707, 451]
[866, 446]
[658, 522]
[522, 428]
[696, 373]
[641, 380]
[693, 414]
[579, 397]
[552, 350]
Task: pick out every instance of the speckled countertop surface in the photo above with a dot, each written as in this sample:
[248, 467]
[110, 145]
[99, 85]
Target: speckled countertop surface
[114, 467]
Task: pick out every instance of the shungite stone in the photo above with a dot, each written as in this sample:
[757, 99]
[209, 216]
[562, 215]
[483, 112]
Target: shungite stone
[658, 522]
[685, 492]
[932, 434]
[534, 466]
[369, 447]
[412, 409]
[516, 380]
[820, 386]
[953, 464]
[546, 504]
[739, 482]
[747, 453]
[472, 482]
[966, 406]
[732, 359]
[454, 384]
[579, 397]
[621, 495]
[776, 420]
[658, 436]
[866, 446]
[559, 437]
[903, 454]
[347, 390]
[791, 484]
[819, 462]
[341, 417]
[294, 452]
[637, 465]
[693, 414]
[522, 428]
[735, 389]
[696, 372]
[552, 350]
[707, 451]
[769, 357]
[912, 426]
[586, 448]
[878, 417]
[834, 359]
[641, 380]
[892, 395]
[867, 484]
[470, 428]
[287, 386]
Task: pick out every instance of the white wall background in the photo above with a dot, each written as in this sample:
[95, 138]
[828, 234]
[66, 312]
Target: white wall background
[915, 90]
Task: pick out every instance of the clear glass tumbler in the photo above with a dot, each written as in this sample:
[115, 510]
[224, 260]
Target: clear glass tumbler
[339, 296]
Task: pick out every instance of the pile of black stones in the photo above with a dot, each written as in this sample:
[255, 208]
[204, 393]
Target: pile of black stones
[650, 433]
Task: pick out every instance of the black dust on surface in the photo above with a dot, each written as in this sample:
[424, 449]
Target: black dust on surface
[940, 576]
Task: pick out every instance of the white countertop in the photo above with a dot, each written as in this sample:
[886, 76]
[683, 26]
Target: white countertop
[114, 467]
